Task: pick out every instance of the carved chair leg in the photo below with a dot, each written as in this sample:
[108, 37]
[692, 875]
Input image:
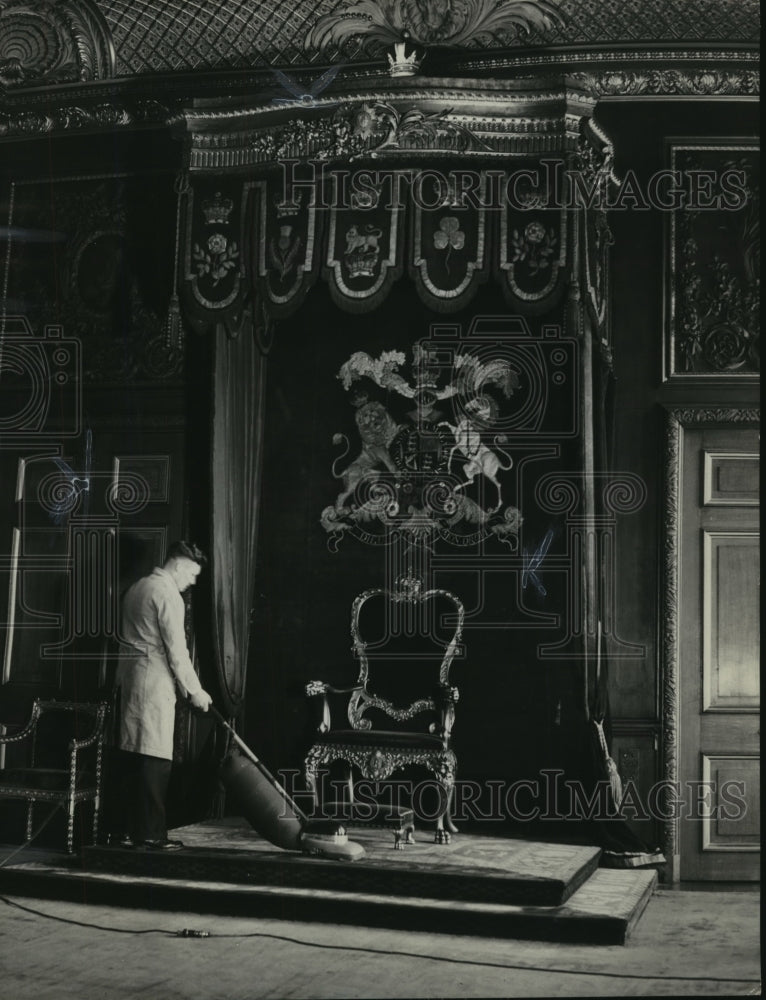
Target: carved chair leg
[444, 825]
[441, 836]
[30, 816]
[310, 774]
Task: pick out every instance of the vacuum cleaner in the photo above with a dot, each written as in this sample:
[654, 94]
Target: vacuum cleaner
[272, 813]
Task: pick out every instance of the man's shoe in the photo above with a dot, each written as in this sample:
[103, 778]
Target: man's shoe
[126, 841]
[163, 845]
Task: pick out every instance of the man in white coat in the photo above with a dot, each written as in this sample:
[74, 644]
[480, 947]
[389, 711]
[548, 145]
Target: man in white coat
[154, 667]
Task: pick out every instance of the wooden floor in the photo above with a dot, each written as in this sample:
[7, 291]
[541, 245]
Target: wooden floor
[687, 944]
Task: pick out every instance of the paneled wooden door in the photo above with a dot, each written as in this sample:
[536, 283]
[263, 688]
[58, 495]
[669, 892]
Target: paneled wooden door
[719, 639]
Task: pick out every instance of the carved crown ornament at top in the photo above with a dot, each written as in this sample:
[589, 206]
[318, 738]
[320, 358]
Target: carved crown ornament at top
[428, 24]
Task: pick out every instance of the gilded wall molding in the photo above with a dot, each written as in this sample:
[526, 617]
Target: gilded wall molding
[105, 116]
[527, 94]
[678, 419]
[673, 82]
[624, 73]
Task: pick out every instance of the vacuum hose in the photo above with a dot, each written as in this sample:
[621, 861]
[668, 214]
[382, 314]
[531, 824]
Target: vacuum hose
[272, 812]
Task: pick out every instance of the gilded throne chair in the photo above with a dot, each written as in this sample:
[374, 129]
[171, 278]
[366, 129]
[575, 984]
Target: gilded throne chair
[401, 709]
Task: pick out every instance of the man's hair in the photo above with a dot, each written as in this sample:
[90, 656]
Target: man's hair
[186, 550]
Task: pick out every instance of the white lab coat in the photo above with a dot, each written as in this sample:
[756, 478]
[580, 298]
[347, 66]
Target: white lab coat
[154, 664]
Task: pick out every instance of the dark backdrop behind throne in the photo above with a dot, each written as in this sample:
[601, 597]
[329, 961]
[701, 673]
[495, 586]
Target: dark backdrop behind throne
[516, 715]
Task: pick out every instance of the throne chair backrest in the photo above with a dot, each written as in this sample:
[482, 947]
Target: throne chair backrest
[405, 649]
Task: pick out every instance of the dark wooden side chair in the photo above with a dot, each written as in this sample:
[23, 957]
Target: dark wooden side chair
[64, 760]
[375, 739]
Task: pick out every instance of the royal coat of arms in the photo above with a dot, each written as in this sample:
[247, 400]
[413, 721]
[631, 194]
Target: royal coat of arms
[430, 460]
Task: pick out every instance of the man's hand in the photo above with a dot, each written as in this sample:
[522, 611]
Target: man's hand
[202, 701]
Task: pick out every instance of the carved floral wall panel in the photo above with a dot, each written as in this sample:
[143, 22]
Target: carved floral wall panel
[713, 322]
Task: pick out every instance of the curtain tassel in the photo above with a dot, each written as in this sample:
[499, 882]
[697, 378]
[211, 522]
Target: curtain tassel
[174, 330]
[615, 782]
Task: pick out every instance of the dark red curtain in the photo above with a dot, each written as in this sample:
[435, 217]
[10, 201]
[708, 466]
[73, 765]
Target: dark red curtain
[237, 452]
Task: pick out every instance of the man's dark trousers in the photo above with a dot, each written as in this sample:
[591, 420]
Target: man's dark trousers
[145, 784]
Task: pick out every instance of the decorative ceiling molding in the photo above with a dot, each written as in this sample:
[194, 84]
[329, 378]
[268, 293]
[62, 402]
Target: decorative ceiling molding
[59, 72]
[155, 36]
[631, 73]
[390, 22]
[45, 42]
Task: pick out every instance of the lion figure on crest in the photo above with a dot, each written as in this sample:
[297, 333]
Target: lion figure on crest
[377, 429]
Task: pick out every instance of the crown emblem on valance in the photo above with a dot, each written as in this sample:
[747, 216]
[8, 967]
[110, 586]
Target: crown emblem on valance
[217, 210]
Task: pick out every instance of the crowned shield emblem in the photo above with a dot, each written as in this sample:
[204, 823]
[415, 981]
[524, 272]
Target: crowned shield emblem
[364, 251]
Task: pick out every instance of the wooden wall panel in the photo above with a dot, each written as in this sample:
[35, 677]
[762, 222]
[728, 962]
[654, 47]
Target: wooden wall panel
[731, 620]
[730, 479]
[733, 822]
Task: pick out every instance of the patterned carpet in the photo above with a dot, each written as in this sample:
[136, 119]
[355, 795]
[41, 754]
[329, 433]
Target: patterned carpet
[471, 868]
[480, 886]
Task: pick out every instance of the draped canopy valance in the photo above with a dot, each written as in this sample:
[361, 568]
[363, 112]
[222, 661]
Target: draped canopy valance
[448, 182]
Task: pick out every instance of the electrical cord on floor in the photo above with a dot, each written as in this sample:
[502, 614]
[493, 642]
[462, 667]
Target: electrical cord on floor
[190, 933]
[37, 833]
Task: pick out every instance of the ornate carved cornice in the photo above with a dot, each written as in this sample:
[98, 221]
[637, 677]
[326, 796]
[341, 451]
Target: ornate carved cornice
[606, 75]
[422, 117]
[635, 72]
[670, 83]
[106, 116]
[677, 420]
[719, 416]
